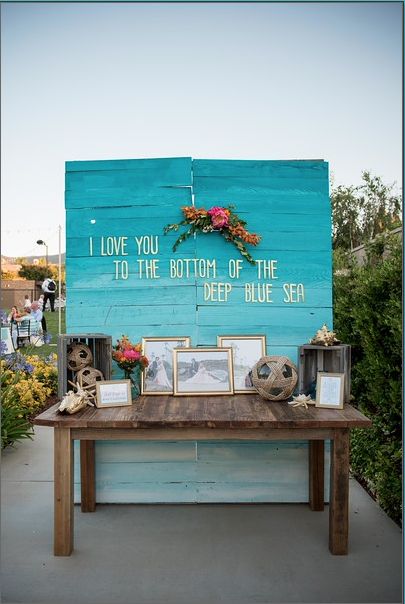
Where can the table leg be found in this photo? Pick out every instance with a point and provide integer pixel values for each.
(63, 487)
(339, 493)
(87, 476)
(316, 465)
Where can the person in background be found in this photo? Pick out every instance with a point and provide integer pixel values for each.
(49, 289)
(38, 315)
(41, 302)
(28, 329)
(27, 302)
(14, 314)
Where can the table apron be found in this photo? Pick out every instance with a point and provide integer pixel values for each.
(171, 434)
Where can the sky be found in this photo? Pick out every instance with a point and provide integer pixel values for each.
(224, 80)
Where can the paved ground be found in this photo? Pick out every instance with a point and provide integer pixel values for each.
(183, 554)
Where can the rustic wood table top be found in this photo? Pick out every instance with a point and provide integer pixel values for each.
(240, 411)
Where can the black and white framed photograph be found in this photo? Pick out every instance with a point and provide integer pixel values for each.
(199, 371)
(329, 390)
(158, 376)
(247, 350)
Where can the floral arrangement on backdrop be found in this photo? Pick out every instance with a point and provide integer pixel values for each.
(129, 356)
(220, 219)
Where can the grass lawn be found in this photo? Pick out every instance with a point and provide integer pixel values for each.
(52, 324)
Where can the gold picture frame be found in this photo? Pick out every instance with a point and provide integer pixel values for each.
(157, 378)
(202, 371)
(243, 363)
(113, 393)
(330, 390)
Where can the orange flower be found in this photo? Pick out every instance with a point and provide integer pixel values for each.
(192, 213)
(242, 233)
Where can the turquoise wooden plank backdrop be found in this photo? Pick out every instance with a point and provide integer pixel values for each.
(121, 278)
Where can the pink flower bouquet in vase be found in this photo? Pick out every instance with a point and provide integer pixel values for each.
(130, 359)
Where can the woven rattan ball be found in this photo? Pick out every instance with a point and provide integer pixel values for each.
(79, 355)
(274, 378)
(88, 376)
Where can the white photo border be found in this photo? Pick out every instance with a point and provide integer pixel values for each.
(261, 338)
(323, 376)
(146, 340)
(208, 349)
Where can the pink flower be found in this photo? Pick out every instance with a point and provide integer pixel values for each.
(219, 217)
(131, 355)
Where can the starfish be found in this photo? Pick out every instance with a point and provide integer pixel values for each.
(301, 401)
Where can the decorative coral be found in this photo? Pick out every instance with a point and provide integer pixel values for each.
(324, 337)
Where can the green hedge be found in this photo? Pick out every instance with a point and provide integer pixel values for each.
(368, 315)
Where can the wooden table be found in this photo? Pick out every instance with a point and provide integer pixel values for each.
(238, 417)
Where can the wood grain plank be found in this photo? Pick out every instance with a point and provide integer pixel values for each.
(63, 492)
(236, 412)
(165, 168)
(316, 467)
(181, 433)
(260, 168)
(88, 476)
(339, 493)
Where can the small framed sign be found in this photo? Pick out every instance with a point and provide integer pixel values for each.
(329, 390)
(114, 393)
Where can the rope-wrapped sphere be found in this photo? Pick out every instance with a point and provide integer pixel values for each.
(274, 377)
(87, 378)
(79, 355)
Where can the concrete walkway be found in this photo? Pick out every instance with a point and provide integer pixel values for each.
(179, 554)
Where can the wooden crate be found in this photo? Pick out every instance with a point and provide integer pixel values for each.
(101, 346)
(332, 359)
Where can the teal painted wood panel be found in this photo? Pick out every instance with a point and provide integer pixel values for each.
(269, 169)
(250, 472)
(287, 203)
(156, 169)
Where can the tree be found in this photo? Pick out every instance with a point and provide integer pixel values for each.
(360, 213)
(36, 272)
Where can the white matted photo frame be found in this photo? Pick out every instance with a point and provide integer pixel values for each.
(202, 371)
(330, 390)
(247, 350)
(113, 393)
(157, 378)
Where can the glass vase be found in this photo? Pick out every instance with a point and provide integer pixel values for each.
(134, 375)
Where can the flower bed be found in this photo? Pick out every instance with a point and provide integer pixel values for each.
(27, 384)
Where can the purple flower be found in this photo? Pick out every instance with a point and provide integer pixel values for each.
(3, 348)
(18, 362)
(47, 338)
(49, 360)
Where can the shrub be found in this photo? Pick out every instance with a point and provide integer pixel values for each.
(367, 315)
(15, 424)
